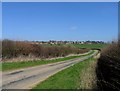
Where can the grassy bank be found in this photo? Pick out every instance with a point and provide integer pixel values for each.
(17, 65)
(74, 77)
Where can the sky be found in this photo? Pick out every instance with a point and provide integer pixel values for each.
(60, 0)
(0, 20)
(45, 21)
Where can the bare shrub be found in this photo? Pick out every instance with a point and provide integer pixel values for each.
(14, 49)
(108, 68)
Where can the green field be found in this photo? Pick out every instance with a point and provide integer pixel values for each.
(0, 66)
(17, 65)
(97, 46)
(71, 78)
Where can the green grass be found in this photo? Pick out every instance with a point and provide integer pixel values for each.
(0, 66)
(16, 65)
(80, 45)
(97, 46)
(66, 79)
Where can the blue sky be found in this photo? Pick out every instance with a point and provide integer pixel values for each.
(0, 20)
(60, 21)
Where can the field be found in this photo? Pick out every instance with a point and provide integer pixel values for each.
(91, 46)
(72, 77)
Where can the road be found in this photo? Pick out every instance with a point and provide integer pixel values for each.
(28, 77)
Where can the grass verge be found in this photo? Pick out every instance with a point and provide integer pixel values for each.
(16, 65)
(78, 76)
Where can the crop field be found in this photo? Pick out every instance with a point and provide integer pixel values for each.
(96, 46)
(90, 46)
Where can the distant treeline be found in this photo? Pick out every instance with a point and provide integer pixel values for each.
(108, 68)
(68, 42)
(14, 49)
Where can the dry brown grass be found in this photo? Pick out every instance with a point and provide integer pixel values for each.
(88, 76)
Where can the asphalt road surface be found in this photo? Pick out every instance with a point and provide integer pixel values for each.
(28, 77)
